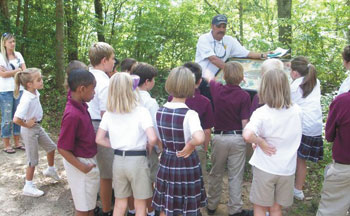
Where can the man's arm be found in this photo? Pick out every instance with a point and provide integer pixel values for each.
(216, 61)
(255, 55)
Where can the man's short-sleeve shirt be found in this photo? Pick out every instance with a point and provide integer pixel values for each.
(207, 46)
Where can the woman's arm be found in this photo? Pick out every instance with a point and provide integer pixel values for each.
(102, 139)
(7, 74)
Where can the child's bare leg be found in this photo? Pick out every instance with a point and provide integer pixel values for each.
(276, 210)
(83, 213)
(149, 205)
(140, 207)
(300, 174)
(120, 206)
(162, 213)
(260, 210)
(51, 158)
(106, 194)
(30, 173)
(131, 205)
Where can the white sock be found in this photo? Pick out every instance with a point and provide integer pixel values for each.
(29, 183)
(298, 191)
(51, 168)
(151, 213)
(132, 211)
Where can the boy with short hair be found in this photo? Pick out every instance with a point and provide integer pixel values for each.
(77, 145)
(203, 107)
(127, 65)
(102, 60)
(147, 74)
(231, 113)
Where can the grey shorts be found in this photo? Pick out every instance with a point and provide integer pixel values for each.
(153, 163)
(32, 139)
(268, 189)
(131, 177)
(104, 157)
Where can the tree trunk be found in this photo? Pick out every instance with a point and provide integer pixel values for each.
(284, 16)
(241, 21)
(99, 17)
(25, 23)
(5, 15)
(19, 6)
(59, 44)
(71, 9)
(348, 26)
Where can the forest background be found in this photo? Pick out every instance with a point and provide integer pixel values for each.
(164, 33)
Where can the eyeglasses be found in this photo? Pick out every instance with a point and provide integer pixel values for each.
(220, 49)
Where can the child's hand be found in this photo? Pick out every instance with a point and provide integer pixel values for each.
(267, 149)
(31, 123)
(88, 168)
(186, 151)
(253, 146)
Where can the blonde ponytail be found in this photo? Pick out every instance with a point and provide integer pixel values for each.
(23, 78)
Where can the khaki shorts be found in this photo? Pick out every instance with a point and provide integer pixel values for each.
(32, 139)
(153, 163)
(268, 189)
(104, 157)
(84, 187)
(131, 176)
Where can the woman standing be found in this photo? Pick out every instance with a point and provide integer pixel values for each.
(11, 62)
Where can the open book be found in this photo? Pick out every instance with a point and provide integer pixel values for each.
(278, 53)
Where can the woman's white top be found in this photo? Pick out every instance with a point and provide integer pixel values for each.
(8, 84)
(311, 107)
(29, 106)
(345, 86)
(127, 131)
(191, 122)
(280, 128)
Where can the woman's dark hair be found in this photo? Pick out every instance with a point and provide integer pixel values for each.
(80, 77)
(306, 70)
(346, 53)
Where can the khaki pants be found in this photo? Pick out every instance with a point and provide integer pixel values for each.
(202, 155)
(230, 150)
(335, 196)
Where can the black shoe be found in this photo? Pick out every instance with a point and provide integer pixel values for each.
(130, 214)
(96, 211)
(156, 213)
(244, 212)
(110, 213)
(210, 211)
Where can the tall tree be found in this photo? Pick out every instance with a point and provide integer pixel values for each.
(19, 6)
(241, 21)
(71, 12)
(348, 27)
(99, 17)
(284, 26)
(59, 43)
(25, 23)
(5, 15)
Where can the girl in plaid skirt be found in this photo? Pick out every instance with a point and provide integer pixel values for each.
(306, 92)
(179, 188)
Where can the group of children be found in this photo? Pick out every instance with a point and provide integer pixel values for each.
(114, 135)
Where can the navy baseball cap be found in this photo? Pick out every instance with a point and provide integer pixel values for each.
(219, 19)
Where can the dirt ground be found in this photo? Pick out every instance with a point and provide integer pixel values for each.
(57, 200)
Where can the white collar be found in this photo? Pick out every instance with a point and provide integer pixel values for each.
(175, 105)
(98, 71)
(31, 95)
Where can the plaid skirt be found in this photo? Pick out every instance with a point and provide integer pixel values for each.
(179, 188)
(311, 148)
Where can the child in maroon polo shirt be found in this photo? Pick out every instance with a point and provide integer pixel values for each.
(77, 145)
(203, 107)
(336, 187)
(231, 113)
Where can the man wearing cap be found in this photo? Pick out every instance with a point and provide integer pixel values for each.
(214, 48)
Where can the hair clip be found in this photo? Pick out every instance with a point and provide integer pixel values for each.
(135, 81)
(5, 34)
(308, 65)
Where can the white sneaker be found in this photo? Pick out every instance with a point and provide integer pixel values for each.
(298, 194)
(51, 173)
(31, 190)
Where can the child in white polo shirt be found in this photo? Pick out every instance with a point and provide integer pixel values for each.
(130, 130)
(29, 114)
(276, 129)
